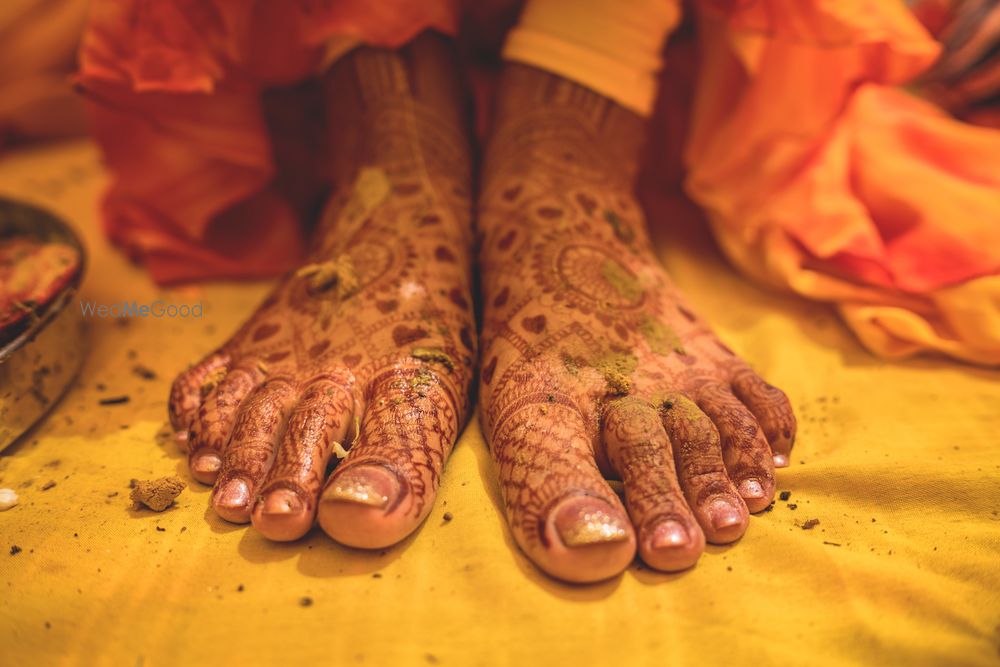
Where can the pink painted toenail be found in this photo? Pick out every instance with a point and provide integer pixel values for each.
(366, 485)
(751, 488)
(668, 535)
(281, 502)
(780, 461)
(586, 521)
(234, 494)
(207, 463)
(181, 436)
(724, 514)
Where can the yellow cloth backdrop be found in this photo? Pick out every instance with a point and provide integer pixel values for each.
(899, 462)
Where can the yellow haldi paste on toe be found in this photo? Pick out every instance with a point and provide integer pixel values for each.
(432, 354)
(617, 369)
(660, 337)
(621, 280)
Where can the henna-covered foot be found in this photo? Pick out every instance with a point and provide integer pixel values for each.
(365, 353)
(593, 365)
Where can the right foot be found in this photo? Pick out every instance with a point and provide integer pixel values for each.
(366, 352)
(593, 365)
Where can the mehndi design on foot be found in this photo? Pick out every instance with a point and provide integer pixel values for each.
(366, 352)
(593, 365)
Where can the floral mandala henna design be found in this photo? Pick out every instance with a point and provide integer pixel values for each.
(363, 356)
(593, 364)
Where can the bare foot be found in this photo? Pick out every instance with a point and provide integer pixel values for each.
(593, 365)
(366, 352)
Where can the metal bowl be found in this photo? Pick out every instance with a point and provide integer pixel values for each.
(45, 353)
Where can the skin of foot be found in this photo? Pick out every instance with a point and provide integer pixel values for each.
(593, 366)
(363, 357)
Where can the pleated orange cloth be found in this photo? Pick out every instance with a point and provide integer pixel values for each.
(816, 170)
(195, 104)
(819, 174)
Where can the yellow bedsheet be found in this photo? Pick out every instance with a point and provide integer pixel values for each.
(899, 462)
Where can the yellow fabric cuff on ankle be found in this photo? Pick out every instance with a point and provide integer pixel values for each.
(609, 46)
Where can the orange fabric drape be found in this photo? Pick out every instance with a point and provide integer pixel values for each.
(820, 174)
(178, 91)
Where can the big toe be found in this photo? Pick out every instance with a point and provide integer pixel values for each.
(586, 540)
(363, 507)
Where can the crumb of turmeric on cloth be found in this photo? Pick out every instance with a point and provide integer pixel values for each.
(810, 524)
(157, 494)
(8, 499)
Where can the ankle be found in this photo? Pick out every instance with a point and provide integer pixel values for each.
(543, 115)
(397, 107)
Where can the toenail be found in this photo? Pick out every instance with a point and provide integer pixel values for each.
(365, 485)
(181, 436)
(207, 463)
(234, 493)
(724, 514)
(281, 501)
(780, 461)
(586, 521)
(751, 488)
(669, 535)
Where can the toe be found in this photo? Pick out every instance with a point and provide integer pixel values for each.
(187, 391)
(586, 539)
(367, 505)
(710, 493)
(772, 409)
(250, 451)
(287, 500)
(638, 448)
(387, 484)
(562, 513)
(214, 421)
(745, 451)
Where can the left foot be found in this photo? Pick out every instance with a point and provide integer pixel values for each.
(366, 352)
(593, 365)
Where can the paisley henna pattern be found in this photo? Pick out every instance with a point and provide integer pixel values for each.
(367, 351)
(593, 363)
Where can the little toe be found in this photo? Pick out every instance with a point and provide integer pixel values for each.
(188, 391)
(640, 452)
(562, 512)
(287, 500)
(711, 495)
(250, 450)
(772, 410)
(745, 451)
(388, 483)
(214, 421)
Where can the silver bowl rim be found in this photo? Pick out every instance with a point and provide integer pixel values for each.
(46, 226)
